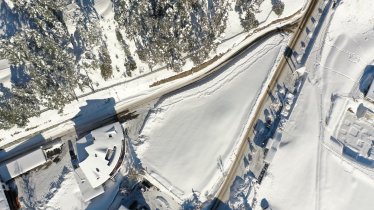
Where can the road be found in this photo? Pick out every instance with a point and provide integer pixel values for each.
(222, 193)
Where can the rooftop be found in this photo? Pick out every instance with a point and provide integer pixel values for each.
(88, 192)
(99, 153)
(22, 165)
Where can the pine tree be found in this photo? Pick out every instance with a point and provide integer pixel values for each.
(40, 49)
(246, 10)
(278, 7)
(105, 63)
(168, 32)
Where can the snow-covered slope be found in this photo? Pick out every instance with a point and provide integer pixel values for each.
(189, 136)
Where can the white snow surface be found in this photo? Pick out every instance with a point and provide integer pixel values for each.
(68, 195)
(190, 136)
(290, 182)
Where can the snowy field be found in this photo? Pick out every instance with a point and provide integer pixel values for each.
(189, 136)
(307, 172)
(52, 186)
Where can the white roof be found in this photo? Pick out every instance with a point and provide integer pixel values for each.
(370, 93)
(3, 201)
(99, 152)
(88, 192)
(301, 71)
(22, 165)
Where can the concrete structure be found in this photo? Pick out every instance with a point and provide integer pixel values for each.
(100, 156)
(356, 131)
(99, 152)
(21, 165)
(88, 192)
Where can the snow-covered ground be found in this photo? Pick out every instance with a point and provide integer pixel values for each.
(189, 136)
(52, 186)
(307, 171)
(68, 196)
(291, 178)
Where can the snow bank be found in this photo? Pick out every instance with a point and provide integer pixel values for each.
(68, 196)
(191, 134)
(290, 182)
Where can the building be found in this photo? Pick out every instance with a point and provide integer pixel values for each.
(88, 192)
(100, 155)
(356, 133)
(21, 165)
(370, 93)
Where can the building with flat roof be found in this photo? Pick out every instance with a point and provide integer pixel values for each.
(21, 165)
(100, 154)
